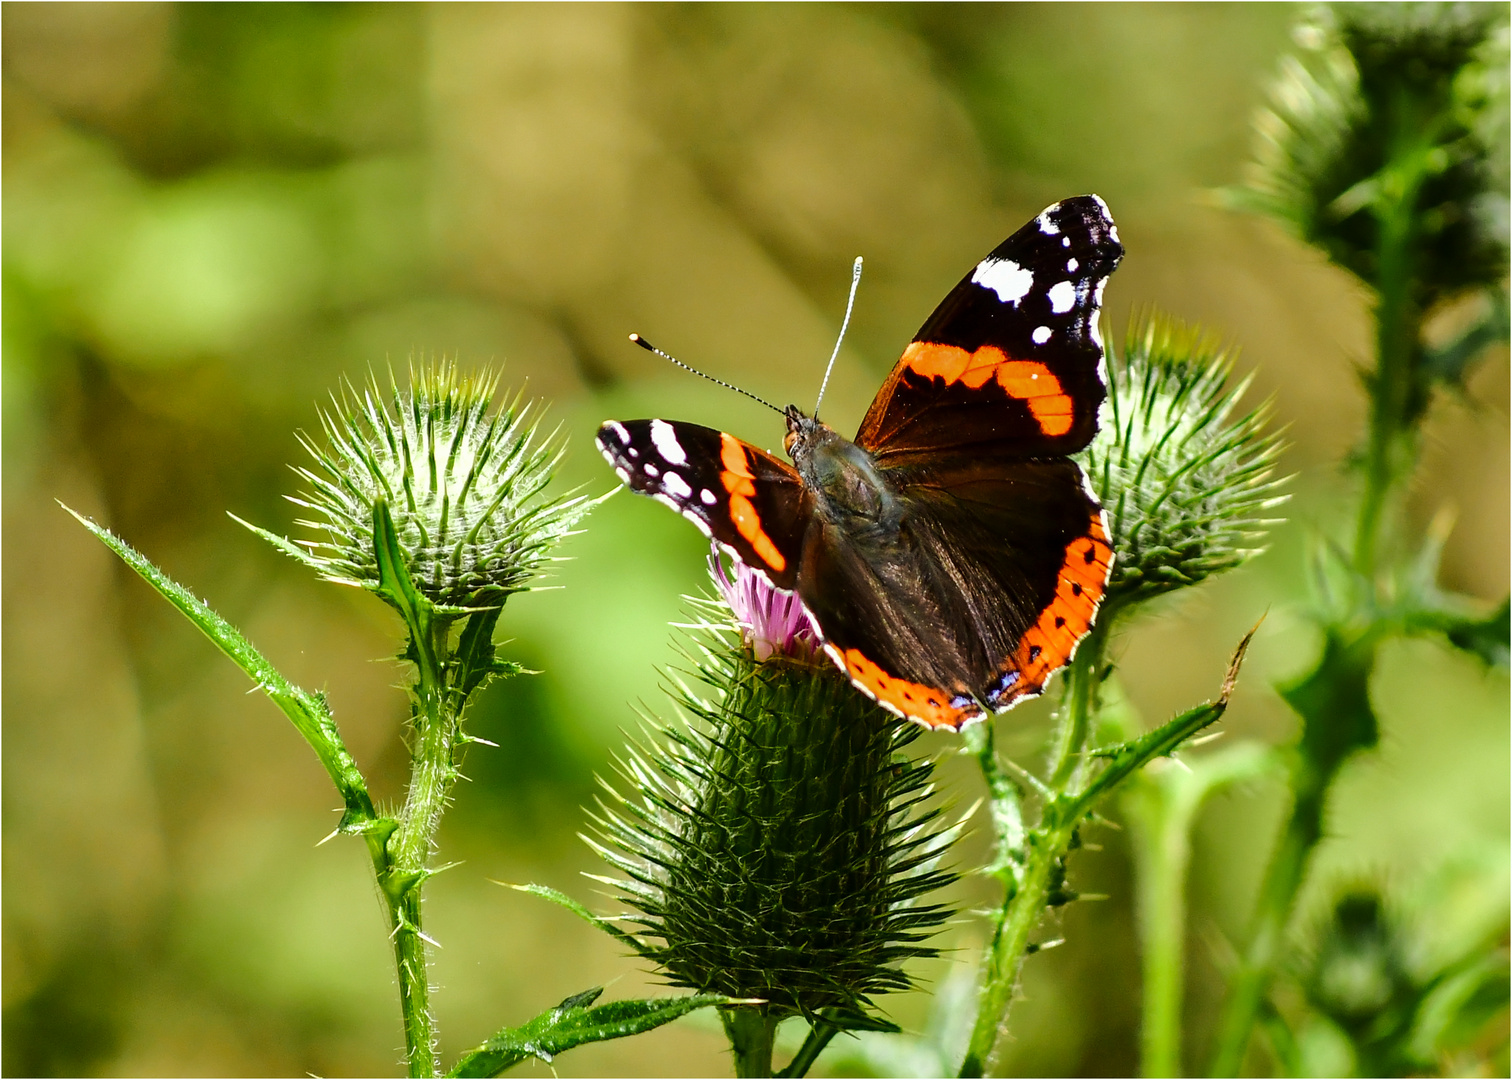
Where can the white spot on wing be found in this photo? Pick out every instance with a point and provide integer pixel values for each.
(622, 473)
(676, 485)
(1062, 296)
(1005, 277)
(1046, 226)
(1071, 265)
(708, 497)
(665, 440)
(1041, 335)
(650, 470)
(619, 430)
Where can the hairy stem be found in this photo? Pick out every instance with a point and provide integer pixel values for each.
(432, 773)
(1040, 853)
(752, 1032)
(1020, 914)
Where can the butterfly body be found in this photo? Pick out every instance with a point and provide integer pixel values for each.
(951, 556)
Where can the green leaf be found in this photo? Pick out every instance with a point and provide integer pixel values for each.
(475, 653)
(1334, 702)
(1124, 758)
(1487, 638)
(308, 712)
(574, 1022)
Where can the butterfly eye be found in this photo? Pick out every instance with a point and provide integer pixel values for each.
(787, 442)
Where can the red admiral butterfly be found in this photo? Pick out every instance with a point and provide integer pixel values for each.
(952, 556)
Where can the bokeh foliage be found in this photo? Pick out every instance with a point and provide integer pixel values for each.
(216, 212)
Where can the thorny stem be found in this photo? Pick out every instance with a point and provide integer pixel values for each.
(1391, 385)
(431, 776)
(1030, 865)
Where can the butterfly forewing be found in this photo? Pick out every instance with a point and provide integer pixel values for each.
(742, 497)
(1010, 363)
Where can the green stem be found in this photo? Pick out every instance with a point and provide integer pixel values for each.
(1398, 335)
(752, 1032)
(819, 1037)
(1085, 677)
(1393, 416)
(1040, 854)
(1251, 980)
(1020, 914)
(1161, 808)
(432, 773)
(1163, 851)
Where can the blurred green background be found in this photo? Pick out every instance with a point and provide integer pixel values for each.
(214, 213)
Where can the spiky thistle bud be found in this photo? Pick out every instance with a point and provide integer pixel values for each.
(777, 843)
(1186, 486)
(461, 482)
(1383, 102)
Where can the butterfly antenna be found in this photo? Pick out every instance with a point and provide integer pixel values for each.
(855, 281)
(643, 343)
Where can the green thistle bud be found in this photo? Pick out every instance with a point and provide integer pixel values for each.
(1384, 103)
(463, 485)
(1186, 487)
(779, 843)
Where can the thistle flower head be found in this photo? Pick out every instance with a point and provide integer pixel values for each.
(771, 621)
(1386, 102)
(1187, 487)
(777, 844)
(462, 482)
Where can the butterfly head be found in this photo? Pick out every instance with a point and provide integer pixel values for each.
(800, 430)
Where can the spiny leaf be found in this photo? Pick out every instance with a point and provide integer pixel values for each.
(308, 712)
(574, 1022)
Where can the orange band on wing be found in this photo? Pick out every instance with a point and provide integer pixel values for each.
(915, 701)
(1026, 380)
(1049, 643)
(740, 482)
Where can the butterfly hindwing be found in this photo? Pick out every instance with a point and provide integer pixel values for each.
(742, 497)
(1010, 362)
(945, 618)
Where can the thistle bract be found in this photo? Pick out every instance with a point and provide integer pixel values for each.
(778, 844)
(462, 482)
(1187, 487)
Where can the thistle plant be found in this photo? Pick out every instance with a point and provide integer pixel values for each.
(1385, 147)
(778, 841)
(435, 501)
(1189, 491)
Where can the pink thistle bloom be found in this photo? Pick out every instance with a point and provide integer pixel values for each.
(773, 621)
